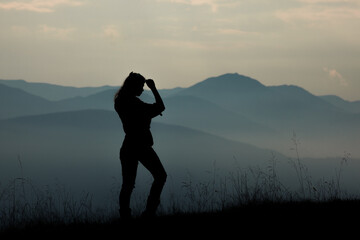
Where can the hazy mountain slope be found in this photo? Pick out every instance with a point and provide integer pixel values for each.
(100, 100)
(276, 107)
(353, 107)
(323, 128)
(81, 149)
(309, 112)
(226, 90)
(52, 91)
(15, 102)
(92, 125)
(79, 152)
(194, 112)
(281, 107)
(236, 107)
(168, 92)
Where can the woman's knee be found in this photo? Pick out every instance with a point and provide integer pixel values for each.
(161, 177)
(127, 188)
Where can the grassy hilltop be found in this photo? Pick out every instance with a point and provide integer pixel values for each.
(261, 219)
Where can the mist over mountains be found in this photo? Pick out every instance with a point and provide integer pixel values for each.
(230, 120)
(232, 106)
(53, 92)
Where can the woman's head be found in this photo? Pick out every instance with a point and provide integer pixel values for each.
(133, 85)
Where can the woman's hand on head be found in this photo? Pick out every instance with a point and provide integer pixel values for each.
(150, 83)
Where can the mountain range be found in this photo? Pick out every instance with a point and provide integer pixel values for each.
(228, 122)
(232, 106)
(53, 92)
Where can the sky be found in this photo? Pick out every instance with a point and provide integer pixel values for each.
(314, 44)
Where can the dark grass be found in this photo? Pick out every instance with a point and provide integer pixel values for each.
(257, 218)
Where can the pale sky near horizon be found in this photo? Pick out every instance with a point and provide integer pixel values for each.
(314, 44)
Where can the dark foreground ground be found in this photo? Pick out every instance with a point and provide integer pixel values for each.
(290, 220)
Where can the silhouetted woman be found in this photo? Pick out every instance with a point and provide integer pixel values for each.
(137, 146)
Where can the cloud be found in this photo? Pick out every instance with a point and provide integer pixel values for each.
(111, 32)
(213, 4)
(328, 1)
(335, 75)
(41, 6)
(43, 31)
(58, 33)
(20, 31)
(234, 32)
(321, 10)
(178, 44)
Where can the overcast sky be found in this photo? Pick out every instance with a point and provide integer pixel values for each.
(314, 44)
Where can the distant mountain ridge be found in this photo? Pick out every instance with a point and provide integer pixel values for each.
(16, 102)
(249, 97)
(53, 92)
(349, 106)
(231, 83)
(231, 106)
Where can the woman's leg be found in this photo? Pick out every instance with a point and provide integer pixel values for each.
(129, 165)
(151, 162)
